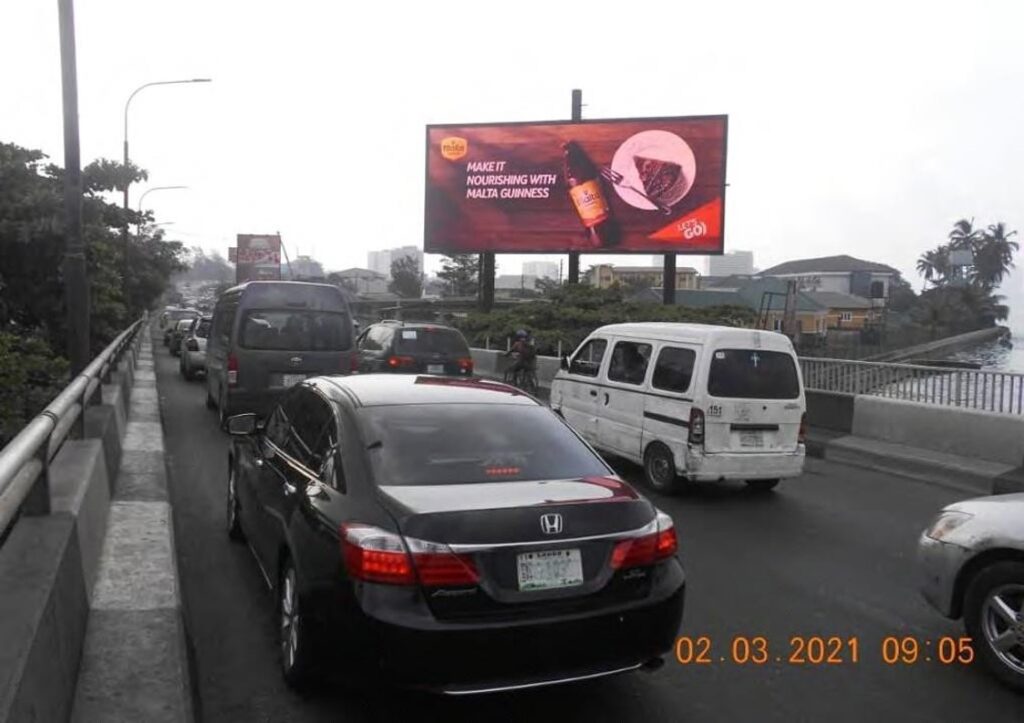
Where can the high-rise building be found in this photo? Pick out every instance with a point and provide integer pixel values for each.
(540, 269)
(380, 261)
(732, 263)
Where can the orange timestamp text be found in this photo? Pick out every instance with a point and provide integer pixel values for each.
(822, 650)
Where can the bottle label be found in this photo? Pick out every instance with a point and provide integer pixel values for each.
(590, 203)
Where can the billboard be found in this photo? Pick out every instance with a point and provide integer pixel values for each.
(641, 185)
(257, 258)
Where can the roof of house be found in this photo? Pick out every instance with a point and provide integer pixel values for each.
(835, 300)
(647, 269)
(753, 292)
(734, 281)
(827, 264)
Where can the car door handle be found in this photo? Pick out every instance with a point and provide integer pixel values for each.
(593, 392)
(606, 397)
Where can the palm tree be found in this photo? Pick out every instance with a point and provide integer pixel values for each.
(964, 236)
(998, 251)
(934, 265)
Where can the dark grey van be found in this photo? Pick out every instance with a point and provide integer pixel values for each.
(269, 335)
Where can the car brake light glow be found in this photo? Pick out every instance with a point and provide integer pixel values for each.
(696, 426)
(400, 361)
(232, 370)
(802, 434)
(659, 544)
(376, 555)
(501, 471)
(466, 364)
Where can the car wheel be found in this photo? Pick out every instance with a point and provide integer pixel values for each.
(222, 413)
(234, 524)
(994, 618)
(762, 485)
(660, 468)
(210, 404)
(294, 636)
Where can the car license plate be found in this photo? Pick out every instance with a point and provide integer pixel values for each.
(290, 380)
(751, 439)
(549, 569)
(435, 368)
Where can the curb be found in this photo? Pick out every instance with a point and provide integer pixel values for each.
(134, 664)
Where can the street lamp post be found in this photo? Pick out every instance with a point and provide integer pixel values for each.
(138, 226)
(127, 179)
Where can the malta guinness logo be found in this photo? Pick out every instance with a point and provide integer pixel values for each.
(453, 148)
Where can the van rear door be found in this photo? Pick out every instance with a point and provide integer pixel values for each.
(755, 401)
(278, 348)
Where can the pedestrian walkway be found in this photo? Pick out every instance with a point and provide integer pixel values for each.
(134, 666)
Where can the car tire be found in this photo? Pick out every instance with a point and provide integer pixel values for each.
(762, 485)
(660, 468)
(233, 518)
(1003, 581)
(210, 403)
(222, 413)
(294, 633)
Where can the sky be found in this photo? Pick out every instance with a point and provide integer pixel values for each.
(862, 128)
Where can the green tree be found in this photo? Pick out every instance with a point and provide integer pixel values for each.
(901, 295)
(964, 236)
(934, 266)
(406, 279)
(460, 273)
(31, 375)
(993, 256)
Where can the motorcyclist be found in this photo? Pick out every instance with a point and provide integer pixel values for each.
(524, 352)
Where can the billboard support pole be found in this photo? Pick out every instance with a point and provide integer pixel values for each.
(486, 281)
(574, 256)
(668, 281)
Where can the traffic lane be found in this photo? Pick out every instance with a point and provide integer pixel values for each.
(230, 614)
(830, 553)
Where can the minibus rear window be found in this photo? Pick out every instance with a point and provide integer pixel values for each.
(753, 374)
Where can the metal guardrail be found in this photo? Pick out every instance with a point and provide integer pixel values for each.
(1001, 392)
(25, 460)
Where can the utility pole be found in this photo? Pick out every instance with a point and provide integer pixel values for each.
(577, 116)
(76, 282)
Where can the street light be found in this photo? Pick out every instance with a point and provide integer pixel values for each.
(127, 180)
(138, 226)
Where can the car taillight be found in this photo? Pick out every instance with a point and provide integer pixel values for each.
(466, 365)
(397, 362)
(660, 544)
(801, 436)
(696, 426)
(192, 345)
(353, 363)
(376, 555)
(232, 370)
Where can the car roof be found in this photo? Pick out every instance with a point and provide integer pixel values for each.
(698, 334)
(373, 390)
(415, 325)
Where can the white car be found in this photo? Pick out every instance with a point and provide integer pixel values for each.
(688, 401)
(972, 558)
(193, 348)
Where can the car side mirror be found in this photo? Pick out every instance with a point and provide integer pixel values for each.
(242, 424)
(565, 362)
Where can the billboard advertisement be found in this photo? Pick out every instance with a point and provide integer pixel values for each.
(257, 257)
(641, 185)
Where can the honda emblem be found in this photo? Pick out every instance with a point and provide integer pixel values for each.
(295, 361)
(551, 524)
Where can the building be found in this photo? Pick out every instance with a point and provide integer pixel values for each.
(380, 261)
(605, 275)
(839, 274)
(844, 311)
(541, 269)
(723, 283)
(360, 281)
(304, 267)
(733, 263)
(509, 286)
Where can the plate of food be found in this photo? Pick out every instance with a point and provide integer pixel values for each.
(657, 164)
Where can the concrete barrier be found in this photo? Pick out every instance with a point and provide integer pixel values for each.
(950, 430)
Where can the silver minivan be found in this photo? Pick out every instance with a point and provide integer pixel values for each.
(270, 335)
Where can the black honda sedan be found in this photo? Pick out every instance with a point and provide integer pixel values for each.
(450, 534)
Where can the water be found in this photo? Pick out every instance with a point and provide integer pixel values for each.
(993, 356)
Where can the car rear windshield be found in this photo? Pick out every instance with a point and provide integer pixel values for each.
(753, 374)
(204, 328)
(431, 341)
(295, 330)
(435, 444)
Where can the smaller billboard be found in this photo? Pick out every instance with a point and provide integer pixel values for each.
(257, 258)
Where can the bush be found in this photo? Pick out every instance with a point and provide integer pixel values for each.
(31, 375)
(573, 312)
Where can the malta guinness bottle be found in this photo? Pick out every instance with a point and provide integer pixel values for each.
(584, 182)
